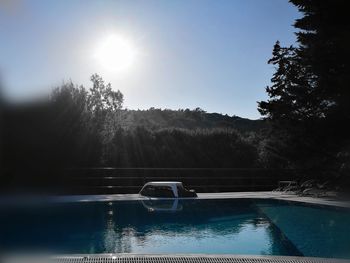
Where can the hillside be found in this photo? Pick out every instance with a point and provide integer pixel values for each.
(156, 119)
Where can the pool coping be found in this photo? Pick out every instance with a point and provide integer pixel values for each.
(202, 196)
(224, 195)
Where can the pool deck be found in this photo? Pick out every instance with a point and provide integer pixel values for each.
(228, 195)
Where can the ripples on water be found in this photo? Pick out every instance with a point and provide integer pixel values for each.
(237, 226)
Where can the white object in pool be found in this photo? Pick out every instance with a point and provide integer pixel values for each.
(166, 190)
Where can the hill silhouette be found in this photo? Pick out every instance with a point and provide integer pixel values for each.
(155, 119)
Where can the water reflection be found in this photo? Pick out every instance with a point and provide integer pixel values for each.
(174, 226)
(162, 205)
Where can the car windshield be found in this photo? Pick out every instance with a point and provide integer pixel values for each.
(158, 191)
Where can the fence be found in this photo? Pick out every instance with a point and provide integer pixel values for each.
(130, 180)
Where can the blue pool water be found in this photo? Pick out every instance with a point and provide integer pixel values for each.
(236, 226)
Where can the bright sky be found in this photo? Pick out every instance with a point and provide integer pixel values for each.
(173, 53)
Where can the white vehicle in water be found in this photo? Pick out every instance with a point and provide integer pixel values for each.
(166, 190)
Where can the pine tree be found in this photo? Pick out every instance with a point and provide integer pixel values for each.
(309, 99)
(290, 89)
(325, 51)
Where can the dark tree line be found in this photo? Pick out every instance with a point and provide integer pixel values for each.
(79, 127)
(309, 98)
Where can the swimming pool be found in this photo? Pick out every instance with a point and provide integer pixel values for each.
(222, 226)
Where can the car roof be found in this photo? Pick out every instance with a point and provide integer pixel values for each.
(164, 183)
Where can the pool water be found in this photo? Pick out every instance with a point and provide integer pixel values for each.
(227, 226)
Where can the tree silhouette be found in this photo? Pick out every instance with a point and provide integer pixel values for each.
(308, 105)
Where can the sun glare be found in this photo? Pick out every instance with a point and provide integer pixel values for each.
(116, 53)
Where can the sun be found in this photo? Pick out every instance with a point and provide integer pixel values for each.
(116, 53)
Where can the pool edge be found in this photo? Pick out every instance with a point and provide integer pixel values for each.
(201, 196)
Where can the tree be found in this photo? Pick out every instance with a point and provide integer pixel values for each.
(310, 93)
(87, 119)
(105, 104)
(289, 90)
(324, 41)
(102, 97)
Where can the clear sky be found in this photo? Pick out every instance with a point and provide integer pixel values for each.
(189, 53)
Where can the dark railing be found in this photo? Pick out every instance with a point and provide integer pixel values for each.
(131, 180)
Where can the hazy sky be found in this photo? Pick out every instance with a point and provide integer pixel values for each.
(190, 53)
